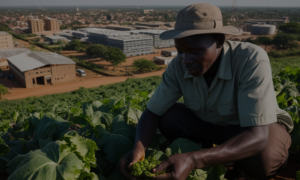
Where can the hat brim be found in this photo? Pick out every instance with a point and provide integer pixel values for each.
(176, 34)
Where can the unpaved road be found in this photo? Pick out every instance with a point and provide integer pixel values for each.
(20, 92)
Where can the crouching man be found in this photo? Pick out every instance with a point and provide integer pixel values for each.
(229, 100)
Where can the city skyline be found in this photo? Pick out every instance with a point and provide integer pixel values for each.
(243, 3)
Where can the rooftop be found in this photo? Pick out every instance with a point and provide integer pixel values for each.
(3, 33)
(12, 52)
(28, 61)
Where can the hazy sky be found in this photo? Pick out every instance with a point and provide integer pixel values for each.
(278, 3)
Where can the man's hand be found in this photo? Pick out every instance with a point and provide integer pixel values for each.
(137, 154)
(179, 166)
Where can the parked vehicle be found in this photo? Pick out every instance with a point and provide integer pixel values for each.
(81, 72)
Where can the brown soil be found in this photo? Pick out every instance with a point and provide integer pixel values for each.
(107, 67)
(28, 45)
(91, 80)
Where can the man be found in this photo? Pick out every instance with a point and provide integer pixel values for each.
(229, 100)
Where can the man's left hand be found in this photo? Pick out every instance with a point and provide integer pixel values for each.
(179, 166)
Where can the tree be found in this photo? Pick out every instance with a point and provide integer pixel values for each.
(75, 44)
(144, 65)
(3, 90)
(265, 40)
(96, 50)
(292, 27)
(284, 41)
(4, 27)
(115, 56)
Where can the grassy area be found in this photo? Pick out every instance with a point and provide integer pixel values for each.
(279, 64)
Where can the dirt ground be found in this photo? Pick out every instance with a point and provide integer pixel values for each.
(29, 46)
(107, 67)
(91, 80)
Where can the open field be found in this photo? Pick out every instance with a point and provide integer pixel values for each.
(107, 67)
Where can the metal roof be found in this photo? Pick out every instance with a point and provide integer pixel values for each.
(29, 61)
(12, 52)
(3, 33)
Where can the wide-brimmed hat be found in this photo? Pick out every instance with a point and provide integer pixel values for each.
(199, 18)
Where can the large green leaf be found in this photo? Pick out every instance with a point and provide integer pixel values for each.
(51, 128)
(84, 148)
(55, 161)
(117, 142)
(298, 175)
(4, 149)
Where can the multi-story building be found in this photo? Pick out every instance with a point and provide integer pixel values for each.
(52, 25)
(6, 41)
(36, 25)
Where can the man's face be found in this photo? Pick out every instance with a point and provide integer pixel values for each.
(199, 53)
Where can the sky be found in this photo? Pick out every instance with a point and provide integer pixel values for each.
(259, 3)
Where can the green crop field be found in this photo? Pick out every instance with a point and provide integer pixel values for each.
(91, 129)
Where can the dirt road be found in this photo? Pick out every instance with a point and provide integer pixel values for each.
(20, 93)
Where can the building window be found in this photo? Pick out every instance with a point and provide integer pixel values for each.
(48, 70)
(37, 72)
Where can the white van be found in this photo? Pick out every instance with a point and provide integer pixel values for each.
(81, 72)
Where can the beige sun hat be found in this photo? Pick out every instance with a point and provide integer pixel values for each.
(199, 18)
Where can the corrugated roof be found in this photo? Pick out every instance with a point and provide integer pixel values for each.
(29, 61)
(12, 52)
(3, 33)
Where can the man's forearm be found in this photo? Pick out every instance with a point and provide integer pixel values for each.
(249, 143)
(146, 129)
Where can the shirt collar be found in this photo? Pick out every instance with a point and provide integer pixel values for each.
(224, 71)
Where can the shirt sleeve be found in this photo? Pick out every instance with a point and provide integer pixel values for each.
(257, 102)
(167, 93)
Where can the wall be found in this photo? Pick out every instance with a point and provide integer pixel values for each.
(19, 76)
(33, 74)
(52, 25)
(4, 64)
(36, 26)
(58, 73)
(6, 42)
(63, 73)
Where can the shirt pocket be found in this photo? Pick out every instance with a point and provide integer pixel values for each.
(194, 105)
(227, 108)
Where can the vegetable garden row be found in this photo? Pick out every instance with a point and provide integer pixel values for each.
(83, 134)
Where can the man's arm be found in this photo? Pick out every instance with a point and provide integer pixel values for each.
(250, 142)
(146, 129)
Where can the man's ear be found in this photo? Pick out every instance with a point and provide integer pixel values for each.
(220, 40)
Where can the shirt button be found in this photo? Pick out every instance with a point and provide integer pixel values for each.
(210, 111)
(187, 105)
(231, 109)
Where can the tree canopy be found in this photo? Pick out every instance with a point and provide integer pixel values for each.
(144, 65)
(75, 44)
(292, 27)
(96, 50)
(284, 41)
(115, 56)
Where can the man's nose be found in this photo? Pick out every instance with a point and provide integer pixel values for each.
(187, 59)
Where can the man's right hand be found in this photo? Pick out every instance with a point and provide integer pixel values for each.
(137, 154)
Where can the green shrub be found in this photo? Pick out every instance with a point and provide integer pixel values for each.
(144, 65)
(284, 41)
(3, 90)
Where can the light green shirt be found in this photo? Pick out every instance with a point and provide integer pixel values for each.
(241, 93)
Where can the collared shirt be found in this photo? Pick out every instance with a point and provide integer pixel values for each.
(241, 93)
